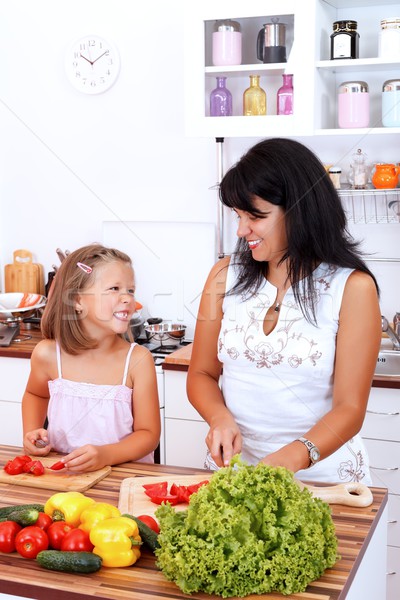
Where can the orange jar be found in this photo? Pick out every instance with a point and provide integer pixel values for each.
(385, 176)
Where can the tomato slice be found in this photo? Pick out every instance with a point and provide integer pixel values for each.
(192, 489)
(166, 498)
(181, 491)
(57, 466)
(156, 489)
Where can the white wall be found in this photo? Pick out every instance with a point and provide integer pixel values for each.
(70, 161)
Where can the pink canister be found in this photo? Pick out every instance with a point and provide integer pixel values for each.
(226, 43)
(353, 104)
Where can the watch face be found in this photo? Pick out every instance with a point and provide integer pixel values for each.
(314, 455)
(92, 64)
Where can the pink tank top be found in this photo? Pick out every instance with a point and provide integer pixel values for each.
(87, 413)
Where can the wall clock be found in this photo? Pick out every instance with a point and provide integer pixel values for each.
(92, 64)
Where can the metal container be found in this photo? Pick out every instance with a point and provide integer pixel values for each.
(162, 331)
(353, 104)
(391, 103)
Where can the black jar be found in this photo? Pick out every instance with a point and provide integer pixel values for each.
(344, 40)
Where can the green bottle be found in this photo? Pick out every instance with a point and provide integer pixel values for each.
(254, 98)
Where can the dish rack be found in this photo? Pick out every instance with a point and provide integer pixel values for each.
(371, 205)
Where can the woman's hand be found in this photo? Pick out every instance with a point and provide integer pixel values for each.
(223, 440)
(86, 458)
(36, 442)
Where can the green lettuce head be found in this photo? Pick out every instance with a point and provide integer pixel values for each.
(251, 530)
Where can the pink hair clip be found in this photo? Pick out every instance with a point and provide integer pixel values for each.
(84, 267)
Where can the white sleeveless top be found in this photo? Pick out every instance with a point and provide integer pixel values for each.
(277, 386)
(87, 413)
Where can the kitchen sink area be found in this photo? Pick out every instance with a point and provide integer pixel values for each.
(388, 362)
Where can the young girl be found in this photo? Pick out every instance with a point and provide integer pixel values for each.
(98, 391)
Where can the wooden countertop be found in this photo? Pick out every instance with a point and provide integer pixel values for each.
(23, 577)
(177, 361)
(180, 361)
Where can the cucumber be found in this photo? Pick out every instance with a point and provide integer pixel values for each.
(69, 562)
(149, 537)
(6, 510)
(24, 517)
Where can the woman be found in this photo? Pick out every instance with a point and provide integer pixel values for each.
(289, 326)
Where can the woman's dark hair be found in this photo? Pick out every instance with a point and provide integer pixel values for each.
(286, 173)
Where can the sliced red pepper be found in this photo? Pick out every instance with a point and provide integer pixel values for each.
(57, 466)
(35, 467)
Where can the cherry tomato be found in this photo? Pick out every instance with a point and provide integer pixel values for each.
(77, 540)
(57, 466)
(8, 532)
(44, 521)
(30, 541)
(56, 531)
(150, 522)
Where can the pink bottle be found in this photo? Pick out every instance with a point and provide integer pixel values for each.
(284, 98)
(226, 43)
(353, 105)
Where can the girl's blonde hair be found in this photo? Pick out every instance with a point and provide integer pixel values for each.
(60, 320)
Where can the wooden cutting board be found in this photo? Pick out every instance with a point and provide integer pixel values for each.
(56, 480)
(133, 500)
(23, 275)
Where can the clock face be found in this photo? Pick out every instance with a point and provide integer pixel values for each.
(92, 64)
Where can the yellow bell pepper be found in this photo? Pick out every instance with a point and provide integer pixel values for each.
(99, 511)
(116, 541)
(67, 506)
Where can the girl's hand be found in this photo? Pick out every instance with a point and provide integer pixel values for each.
(86, 458)
(36, 442)
(224, 440)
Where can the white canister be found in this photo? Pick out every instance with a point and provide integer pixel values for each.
(391, 103)
(389, 39)
(226, 43)
(353, 104)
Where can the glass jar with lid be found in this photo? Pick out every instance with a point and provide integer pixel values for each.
(389, 39)
(353, 104)
(359, 170)
(391, 103)
(344, 40)
(226, 43)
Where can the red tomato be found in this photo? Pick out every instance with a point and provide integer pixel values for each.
(34, 466)
(155, 489)
(30, 541)
(77, 540)
(57, 466)
(150, 522)
(56, 531)
(16, 465)
(192, 489)
(181, 491)
(44, 521)
(8, 532)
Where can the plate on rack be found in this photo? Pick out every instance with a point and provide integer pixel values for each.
(14, 304)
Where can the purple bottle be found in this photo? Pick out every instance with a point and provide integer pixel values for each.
(284, 98)
(221, 100)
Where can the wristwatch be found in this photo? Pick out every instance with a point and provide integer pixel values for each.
(313, 451)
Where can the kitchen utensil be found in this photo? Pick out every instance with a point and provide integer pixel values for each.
(10, 306)
(136, 324)
(134, 501)
(56, 480)
(23, 275)
(271, 42)
(161, 331)
(385, 176)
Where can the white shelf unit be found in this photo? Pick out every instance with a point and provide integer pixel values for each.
(316, 78)
(371, 206)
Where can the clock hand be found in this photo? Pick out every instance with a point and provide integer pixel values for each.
(106, 52)
(84, 57)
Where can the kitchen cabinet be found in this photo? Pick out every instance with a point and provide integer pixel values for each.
(185, 430)
(14, 373)
(381, 433)
(316, 77)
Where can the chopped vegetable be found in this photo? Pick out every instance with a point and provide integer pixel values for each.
(57, 466)
(178, 494)
(251, 530)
